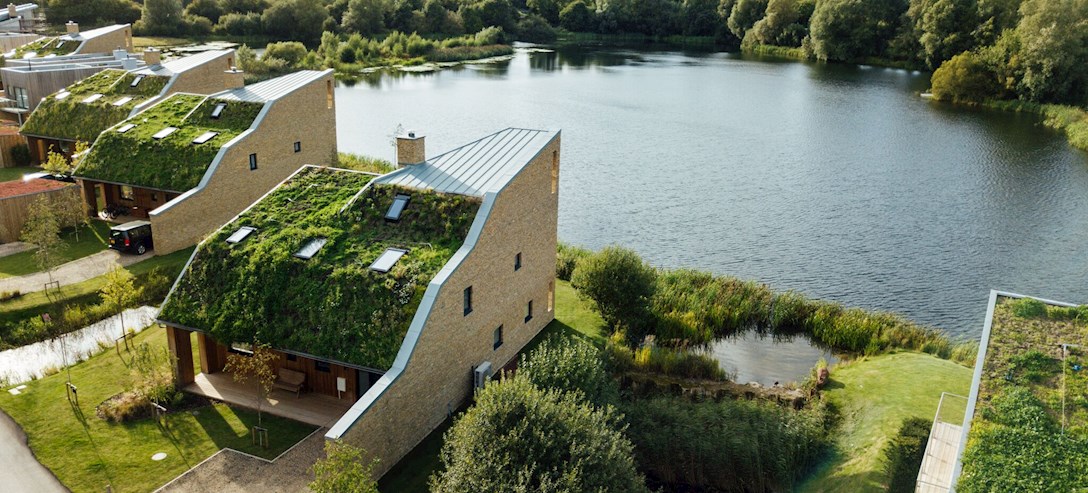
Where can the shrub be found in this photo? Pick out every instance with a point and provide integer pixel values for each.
(620, 284)
(20, 155)
(236, 24)
(567, 259)
(964, 78)
(903, 455)
(679, 363)
(533, 28)
(519, 437)
(1028, 308)
(290, 51)
(343, 470)
(569, 365)
(359, 162)
(123, 407)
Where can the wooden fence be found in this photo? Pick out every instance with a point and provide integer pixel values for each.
(13, 210)
(7, 142)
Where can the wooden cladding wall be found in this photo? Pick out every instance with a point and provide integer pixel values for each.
(13, 211)
(317, 381)
(7, 142)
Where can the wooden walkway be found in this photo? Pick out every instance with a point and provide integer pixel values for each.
(940, 459)
(315, 409)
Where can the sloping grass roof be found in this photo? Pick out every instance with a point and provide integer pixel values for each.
(172, 163)
(48, 46)
(69, 118)
(332, 305)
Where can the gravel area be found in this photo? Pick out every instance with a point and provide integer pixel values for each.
(234, 472)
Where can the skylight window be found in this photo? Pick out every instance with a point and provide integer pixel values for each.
(204, 137)
(310, 249)
(126, 127)
(122, 101)
(218, 110)
(400, 201)
(387, 259)
(241, 234)
(137, 80)
(92, 98)
(162, 134)
(62, 95)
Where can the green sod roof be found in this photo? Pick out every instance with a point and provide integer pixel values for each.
(68, 117)
(332, 305)
(173, 163)
(52, 45)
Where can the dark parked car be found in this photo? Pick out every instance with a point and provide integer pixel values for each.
(132, 236)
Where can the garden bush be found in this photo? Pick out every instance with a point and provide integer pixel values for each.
(620, 285)
(569, 365)
(567, 258)
(1028, 308)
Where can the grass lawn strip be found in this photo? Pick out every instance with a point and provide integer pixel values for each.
(16, 173)
(87, 453)
(92, 239)
(875, 395)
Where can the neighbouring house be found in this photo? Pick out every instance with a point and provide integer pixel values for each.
(1024, 424)
(84, 109)
(190, 162)
(16, 197)
(43, 67)
(389, 297)
(18, 18)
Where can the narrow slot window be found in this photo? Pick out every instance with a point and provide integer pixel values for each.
(298, 146)
(529, 311)
(468, 300)
(252, 161)
(517, 261)
(496, 338)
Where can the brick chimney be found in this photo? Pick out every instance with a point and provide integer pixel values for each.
(73, 27)
(234, 78)
(410, 149)
(152, 56)
(13, 12)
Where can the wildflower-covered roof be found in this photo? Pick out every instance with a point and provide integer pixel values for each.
(74, 113)
(62, 45)
(332, 305)
(136, 153)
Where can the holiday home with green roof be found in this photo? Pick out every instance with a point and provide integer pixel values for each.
(190, 162)
(83, 110)
(386, 299)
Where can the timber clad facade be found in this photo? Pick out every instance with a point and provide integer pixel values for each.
(438, 378)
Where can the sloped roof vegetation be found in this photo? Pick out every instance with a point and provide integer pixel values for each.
(48, 46)
(69, 118)
(332, 305)
(172, 163)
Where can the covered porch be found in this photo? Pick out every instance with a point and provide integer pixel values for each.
(124, 201)
(310, 408)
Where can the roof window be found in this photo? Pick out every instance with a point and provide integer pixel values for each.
(400, 201)
(92, 98)
(310, 249)
(387, 259)
(241, 234)
(135, 82)
(204, 137)
(62, 95)
(122, 101)
(126, 127)
(218, 110)
(162, 134)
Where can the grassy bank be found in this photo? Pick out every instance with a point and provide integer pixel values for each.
(16, 173)
(875, 395)
(87, 453)
(92, 239)
(573, 38)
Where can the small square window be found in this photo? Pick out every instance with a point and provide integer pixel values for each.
(252, 161)
(529, 311)
(291, 357)
(127, 193)
(517, 261)
(154, 196)
(497, 338)
(468, 300)
(298, 146)
(322, 366)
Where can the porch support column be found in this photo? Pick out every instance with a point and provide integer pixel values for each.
(181, 347)
(209, 354)
(90, 206)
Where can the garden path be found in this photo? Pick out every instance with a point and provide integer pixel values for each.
(13, 248)
(73, 272)
(22, 473)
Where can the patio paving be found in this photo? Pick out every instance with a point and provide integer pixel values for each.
(315, 409)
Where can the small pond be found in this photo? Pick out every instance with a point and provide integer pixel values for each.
(765, 360)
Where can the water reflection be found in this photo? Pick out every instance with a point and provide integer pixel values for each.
(767, 360)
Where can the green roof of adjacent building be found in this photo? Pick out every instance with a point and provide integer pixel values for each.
(142, 152)
(299, 270)
(75, 113)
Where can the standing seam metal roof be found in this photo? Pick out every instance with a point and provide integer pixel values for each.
(272, 89)
(93, 33)
(476, 168)
(179, 65)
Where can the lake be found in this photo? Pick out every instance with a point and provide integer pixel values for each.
(837, 181)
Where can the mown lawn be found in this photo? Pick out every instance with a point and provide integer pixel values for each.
(16, 173)
(875, 395)
(92, 239)
(87, 453)
(573, 318)
(86, 292)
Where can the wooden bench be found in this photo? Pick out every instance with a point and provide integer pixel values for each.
(290, 380)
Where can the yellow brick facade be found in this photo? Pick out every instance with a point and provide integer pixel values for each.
(438, 376)
(306, 116)
(207, 78)
(106, 43)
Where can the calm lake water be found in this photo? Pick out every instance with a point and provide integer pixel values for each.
(836, 181)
